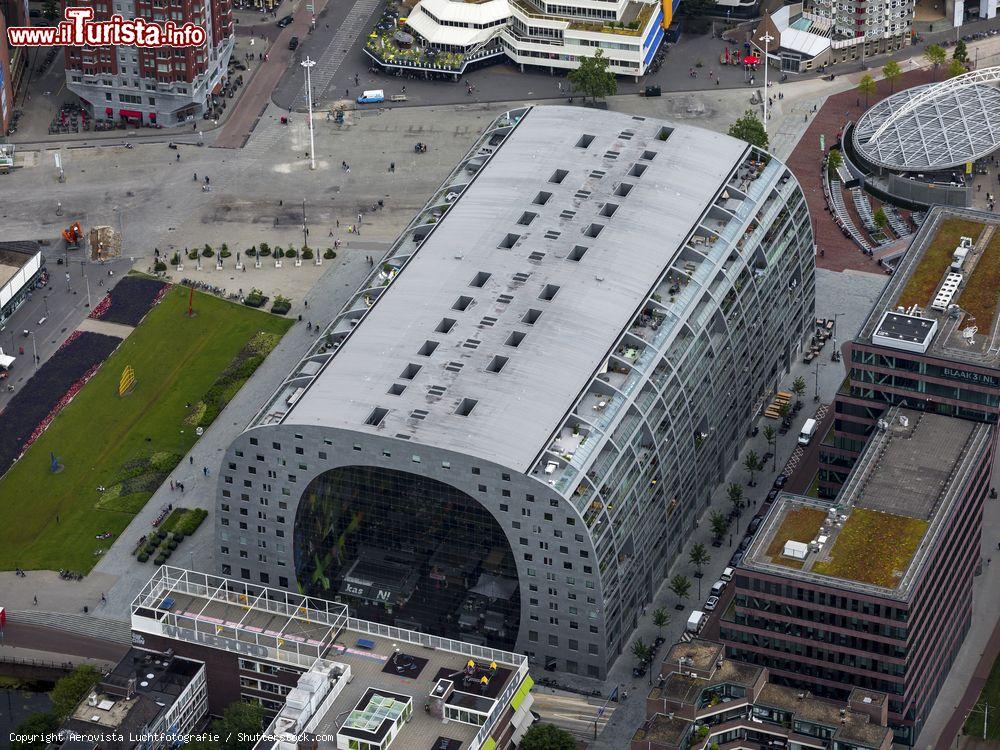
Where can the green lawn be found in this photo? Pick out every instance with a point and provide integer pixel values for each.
(990, 695)
(124, 444)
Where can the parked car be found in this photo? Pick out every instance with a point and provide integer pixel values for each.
(286, 21)
(736, 559)
(718, 587)
(712, 603)
(727, 574)
(779, 481)
(745, 542)
(771, 495)
(293, 42)
(755, 524)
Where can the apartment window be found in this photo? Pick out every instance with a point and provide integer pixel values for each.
(542, 198)
(558, 176)
(549, 292)
(480, 279)
(585, 141)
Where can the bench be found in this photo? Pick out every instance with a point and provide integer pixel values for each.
(365, 643)
(397, 98)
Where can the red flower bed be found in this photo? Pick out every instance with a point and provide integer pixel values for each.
(134, 296)
(49, 390)
(102, 307)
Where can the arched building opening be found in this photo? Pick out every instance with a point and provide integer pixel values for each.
(407, 550)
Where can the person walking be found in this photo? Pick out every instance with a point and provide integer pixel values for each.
(35, 601)
(191, 460)
(204, 470)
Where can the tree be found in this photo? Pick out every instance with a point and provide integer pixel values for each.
(239, 725)
(35, 727)
(735, 493)
(699, 556)
(771, 436)
(881, 220)
(592, 77)
(867, 86)
(956, 68)
(661, 619)
(799, 387)
(961, 52)
(681, 586)
(892, 71)
(752, 464)
(547, 737)
(50, 9)
(785, 411)
(749, 128)
(71, 689)
(935, 56)
(720, 524)
(641, 651)
(159, 267)
(833, 161)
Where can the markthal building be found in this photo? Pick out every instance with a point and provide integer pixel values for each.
(509, 430)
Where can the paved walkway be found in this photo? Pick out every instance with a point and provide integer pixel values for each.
(118, 330)
(22, 641)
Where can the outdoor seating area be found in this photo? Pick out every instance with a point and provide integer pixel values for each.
(824, 330)
(781, 398)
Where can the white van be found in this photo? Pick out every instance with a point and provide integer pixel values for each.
(808, 429)
(696, 620)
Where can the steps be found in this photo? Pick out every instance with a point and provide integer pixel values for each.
(99, 628)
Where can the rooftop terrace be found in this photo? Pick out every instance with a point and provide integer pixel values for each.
(875, 537)
(364, 680)
(950, 306)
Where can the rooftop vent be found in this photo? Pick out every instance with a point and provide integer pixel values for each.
(521, 277)
(409, 372)
(583, 194)
(567, 214)
(558, 176)
(664, 133)
(612, 154)
(487, 321)
(536, 257)
(509, 241)
(454, 366)
(585, 141)
(377, 416)
(402, 436)
(419, 413)
(542, 198)
(505, 299)
(626, 135)
(465, 407)
(577, 253)
(445, 325)
(480, 279)
(436, 390)
(472, 343)
(428, 348)
(552, 234)
(549, 292)
(515, 338)
(598, 173)
(496, 363)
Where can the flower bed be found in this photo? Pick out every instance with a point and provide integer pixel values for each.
(32, 409)
(130, 300)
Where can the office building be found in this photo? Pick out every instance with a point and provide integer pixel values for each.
(20, 271)
(929, 342)
(319, 673)
(530, 33)
(874, 590)
(148, 698)
(703, 699)
(508, 432)
(160, 86)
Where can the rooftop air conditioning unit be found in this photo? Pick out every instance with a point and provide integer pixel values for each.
(904, 420)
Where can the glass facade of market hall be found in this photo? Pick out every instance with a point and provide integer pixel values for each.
(407, 550)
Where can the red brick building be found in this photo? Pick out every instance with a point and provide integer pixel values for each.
(164, 86)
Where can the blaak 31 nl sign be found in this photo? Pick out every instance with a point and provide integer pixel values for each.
(970, 377)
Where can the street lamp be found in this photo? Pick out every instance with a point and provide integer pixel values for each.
(816, 394)
(308, 64)
(45, 300)
(34, 350)
(767, 39)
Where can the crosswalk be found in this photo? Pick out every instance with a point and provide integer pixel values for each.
(356, 23)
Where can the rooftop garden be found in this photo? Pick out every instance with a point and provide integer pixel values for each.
(927, 275)
(979, 298)
(874, 548)
(382, 44)
(631, 28)
(798, 525)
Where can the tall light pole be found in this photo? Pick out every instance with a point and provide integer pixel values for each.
(308, 64)
(767, 39)
(305, 227)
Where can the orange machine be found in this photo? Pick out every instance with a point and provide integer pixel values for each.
(73, 234)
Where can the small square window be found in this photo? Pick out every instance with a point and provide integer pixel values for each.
(531, 317)
(585, 141)
(496, 364)
(608, 209)
(428, 348)
(480, 279)
(509, 241)
(637, 170)
(623, 189)
(415, 458)
(549, 292)
(396, 389)
(465, 407)
(409, 372)
(445, 325)
(558, 176)
(648, 155)
(542, 198)
(577, 253)
(515, 338)
(526, 218)
(462, 303)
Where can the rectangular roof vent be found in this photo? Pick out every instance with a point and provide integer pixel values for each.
(612, 154)
(624, 189)
(427, 349)
(598, 173)
(542, 198)
(396, 389)
(402, 436)
(480, 279)
(472, 343)
(558, 176)
(549, 292)
(487, 321)
(567, 214)
(593, 230)
(462, 303)
(626, 135)
(465, 407)
(585, 141)
(536, 257)
(608, 209)
(419, 413)
(445, 325)
(577, 253)
(509, 241)
(583, 194)
(436, 390)
(497, 363)
(377, 416)
(531, 317)
(521, 277)
(637, 170)
(648, 155)
(505, 299)
(526, 218)
(409, 372)
(664, 133)
(515, 338)
(454, 366)
(552, 234)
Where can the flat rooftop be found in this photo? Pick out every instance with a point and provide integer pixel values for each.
(929, 306)
(14, 256)
(390, 667)
(524, 283)
(877, 535)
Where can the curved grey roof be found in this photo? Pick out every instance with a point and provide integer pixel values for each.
(596, 296)
(953, 123)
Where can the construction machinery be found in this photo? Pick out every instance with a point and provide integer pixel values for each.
(73, 234)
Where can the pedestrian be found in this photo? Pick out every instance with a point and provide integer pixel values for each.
(348, 169)
(338, 223)
(306, 303)
(104, 599)
(178, 157)
(191, 460)
(171, 485)
(359, 218)
(392, 166)
(36, 601)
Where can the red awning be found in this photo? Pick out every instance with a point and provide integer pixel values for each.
(108, 111)
(130, 113)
